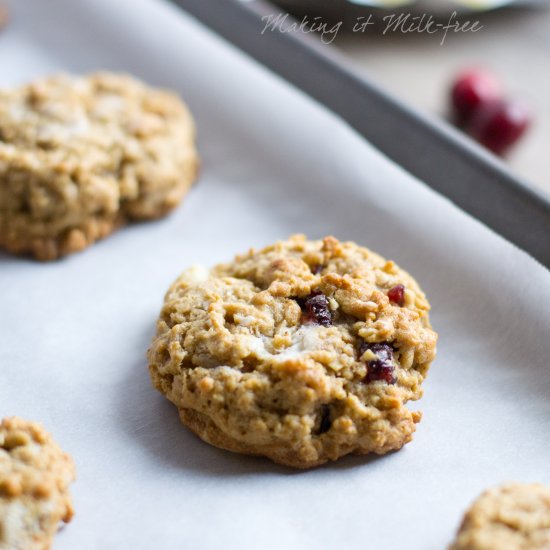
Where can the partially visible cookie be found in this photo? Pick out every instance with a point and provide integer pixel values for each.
(34, 478)
(303, 352)
(515, 516)
(79, 156)
(4, 16)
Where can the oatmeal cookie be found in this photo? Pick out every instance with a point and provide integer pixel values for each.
(79, 156)
(303, 352)
(515, 516)
(34, 478)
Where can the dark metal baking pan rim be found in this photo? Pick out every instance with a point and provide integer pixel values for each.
(430, 149)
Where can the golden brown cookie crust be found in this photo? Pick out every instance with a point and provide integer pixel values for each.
(80, 156)
(515, 516)
(34, 478)
(249, 372)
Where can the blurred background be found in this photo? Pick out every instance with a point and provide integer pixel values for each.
(510, 55)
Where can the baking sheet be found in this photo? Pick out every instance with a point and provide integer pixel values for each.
(73, 334)
(427, 146)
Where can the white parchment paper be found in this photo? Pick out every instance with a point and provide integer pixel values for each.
(73, 334)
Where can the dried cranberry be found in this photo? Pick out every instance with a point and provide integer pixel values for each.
(381, 368)
(472, 90)
(317, 268)
(325, 422)
(500, 124)
(397, 294)
(315, 309)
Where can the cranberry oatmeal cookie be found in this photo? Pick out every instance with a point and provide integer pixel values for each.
(79, 156)
(303, 352)
(515, 516)
(34, 478)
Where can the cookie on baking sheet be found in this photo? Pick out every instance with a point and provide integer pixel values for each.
(515, 516)
(303, 352)
(79, 156)
(34, 478)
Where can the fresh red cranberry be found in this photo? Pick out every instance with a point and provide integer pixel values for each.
(315, 309)
(500, 124)
(472, 90)
(397, 294)
(381, 368)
